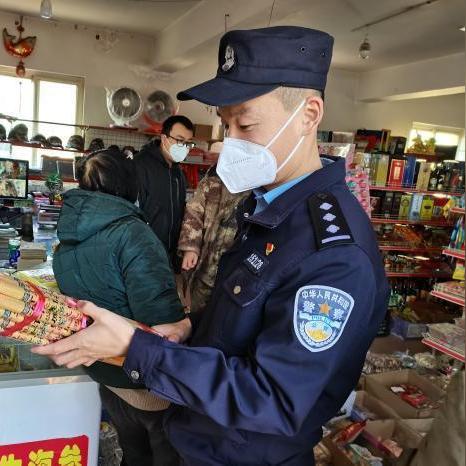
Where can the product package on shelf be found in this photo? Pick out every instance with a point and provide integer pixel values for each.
(395, 177)
(358, 183)
(410, 320)
(457, 235)
(450, 334)
(39, 316)
(338, 149)
(452, 288)
(409, 171)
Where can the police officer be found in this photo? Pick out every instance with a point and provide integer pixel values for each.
(298, 298)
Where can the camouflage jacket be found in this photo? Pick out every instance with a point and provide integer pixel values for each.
(209, 227)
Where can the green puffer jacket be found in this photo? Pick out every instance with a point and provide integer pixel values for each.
(110, 256)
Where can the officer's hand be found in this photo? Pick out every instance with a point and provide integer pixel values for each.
(107, 337)
(178, 332)
(190, 259)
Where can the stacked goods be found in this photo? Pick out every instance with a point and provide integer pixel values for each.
(6, 233)
(35, 315)
(358, 183)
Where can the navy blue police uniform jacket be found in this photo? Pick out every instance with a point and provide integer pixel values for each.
(297, 302)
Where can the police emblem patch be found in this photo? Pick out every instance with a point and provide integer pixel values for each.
(229, 58)
(320, 316)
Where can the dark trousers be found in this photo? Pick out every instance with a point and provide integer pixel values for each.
(140, 433)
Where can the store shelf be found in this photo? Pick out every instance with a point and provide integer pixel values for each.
(404, 221)
(38, 147)
(456, 253)
(447, 297)
(414, 190)
(455, 353)
(428, 157)
(427, 274)
(128, 129)
(457, 210)
(414, 250)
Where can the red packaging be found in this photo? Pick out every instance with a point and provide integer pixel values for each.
(395, 177)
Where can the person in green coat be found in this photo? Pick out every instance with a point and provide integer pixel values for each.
(110, 256)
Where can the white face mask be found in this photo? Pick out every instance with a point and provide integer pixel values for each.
(244, 165)
(177, 153)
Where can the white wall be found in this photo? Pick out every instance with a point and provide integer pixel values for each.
(398, 116)
(437, 76)
(62, 49)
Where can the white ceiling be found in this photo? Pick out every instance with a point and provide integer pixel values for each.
(428, 32)
(138, 16)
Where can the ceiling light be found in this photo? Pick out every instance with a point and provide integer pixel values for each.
(365, 49)
(46, 9)
(462, 29)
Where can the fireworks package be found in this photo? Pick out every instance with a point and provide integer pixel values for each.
(36, 315)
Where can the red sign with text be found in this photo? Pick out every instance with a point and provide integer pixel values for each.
(55, 452)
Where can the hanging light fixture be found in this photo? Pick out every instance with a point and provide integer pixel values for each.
(46, 9)
(365, 48)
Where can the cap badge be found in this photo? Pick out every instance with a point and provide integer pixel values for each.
(229, 58)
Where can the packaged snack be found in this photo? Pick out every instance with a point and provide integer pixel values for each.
(413, 395)
(349, 434)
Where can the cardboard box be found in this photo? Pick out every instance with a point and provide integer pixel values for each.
(395, 178)
(338, 456)
(377, 431)
(366, 403)
(421, 427)
(409, 171)
(382, 170)
(427, 208)
(415, 207)
(379, 385)
(203, 132)
(405, 205)
(424, 176)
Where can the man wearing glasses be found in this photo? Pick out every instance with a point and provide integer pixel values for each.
(162, 185)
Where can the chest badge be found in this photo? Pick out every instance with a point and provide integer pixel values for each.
(269, 248)
(320, 316)
(256, 263)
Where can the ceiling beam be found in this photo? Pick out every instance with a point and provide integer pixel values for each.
(175, 47)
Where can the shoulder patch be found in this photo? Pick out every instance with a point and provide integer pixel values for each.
(320, 316)
(330, 226)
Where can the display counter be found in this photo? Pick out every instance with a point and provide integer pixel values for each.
(49, 416)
